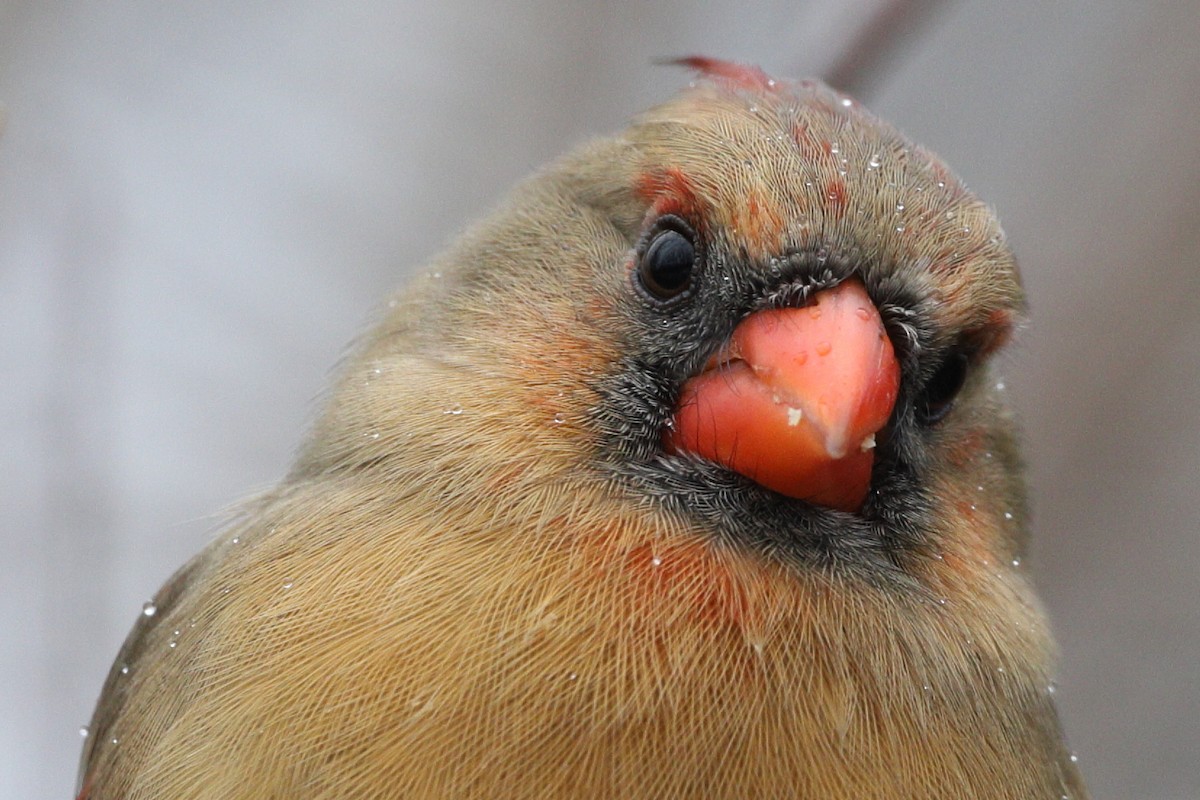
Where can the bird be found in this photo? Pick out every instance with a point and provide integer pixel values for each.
(687, 472)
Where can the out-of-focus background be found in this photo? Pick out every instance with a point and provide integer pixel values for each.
(200, 205)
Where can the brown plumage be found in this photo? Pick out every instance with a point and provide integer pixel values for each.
(498, 570)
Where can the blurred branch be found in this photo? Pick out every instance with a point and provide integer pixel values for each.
(864, 37)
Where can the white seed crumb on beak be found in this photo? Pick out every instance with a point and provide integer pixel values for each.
(867, 443)
(794, 416)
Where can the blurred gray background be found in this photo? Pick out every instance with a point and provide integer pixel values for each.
(200, 205)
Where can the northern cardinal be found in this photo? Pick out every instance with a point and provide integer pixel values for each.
(684, 474)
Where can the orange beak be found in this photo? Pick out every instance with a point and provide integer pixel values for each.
(794, 400)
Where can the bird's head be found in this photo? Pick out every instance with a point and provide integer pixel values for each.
(808, 306)
(760, 307)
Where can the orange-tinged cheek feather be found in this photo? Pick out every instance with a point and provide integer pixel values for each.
(690, 577)
(796, 398)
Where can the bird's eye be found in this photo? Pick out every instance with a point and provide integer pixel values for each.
(938, 397)
(665, 270)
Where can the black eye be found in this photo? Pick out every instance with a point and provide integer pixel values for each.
(665, 271)
(938, 398)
